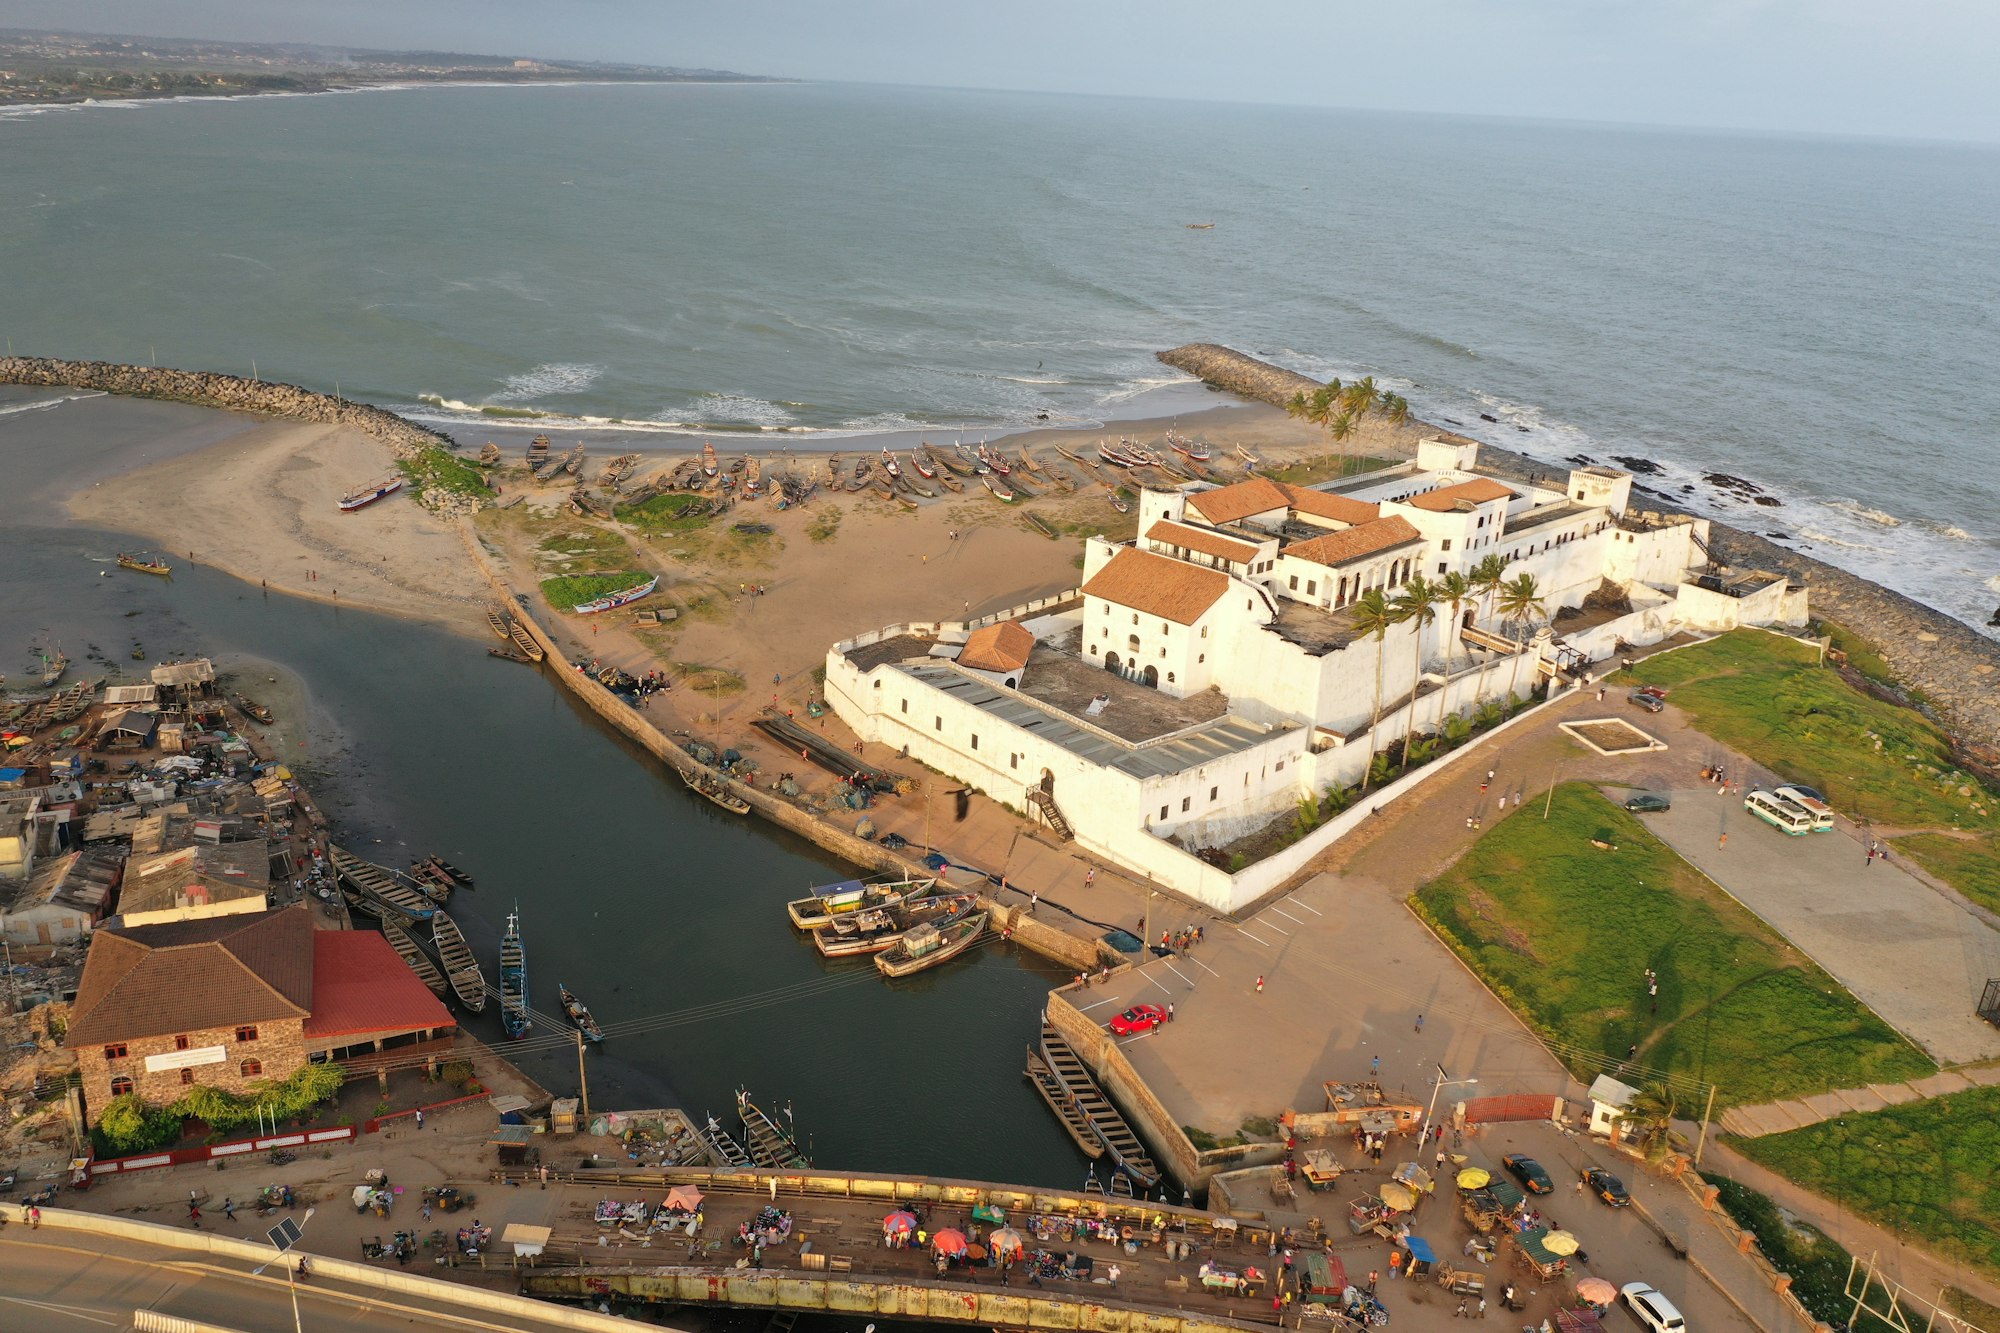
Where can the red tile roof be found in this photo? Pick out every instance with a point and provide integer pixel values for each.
(183, 976)
(1447, 498)
(1158, 586)
(1001, 647)
(361, 987)
(1199, 539)
(1337, 548)
(1227, 504)
(1324, 504)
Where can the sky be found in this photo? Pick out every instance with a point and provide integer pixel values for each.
(1899, 68)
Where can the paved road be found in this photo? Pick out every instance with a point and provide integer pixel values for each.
(67, 1282)
(1916, 956)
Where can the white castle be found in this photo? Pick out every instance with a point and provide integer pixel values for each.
(1230, 660)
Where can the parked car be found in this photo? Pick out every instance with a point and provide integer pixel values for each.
(1652, 1309)
(1529, 1172)
(1607, 1187)
(1652, 703)
(1646, 803)
(1139, 1018)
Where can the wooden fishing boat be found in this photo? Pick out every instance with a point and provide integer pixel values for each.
(753, 479)
(994, 459)
(873, 929)
(960, 464)
(382, 888)
(420, 962)
(1074, 458)
(489, 455)
(525, 641)
(153, 566)
(573, 464)
(709, 466)
(496, 620)
(851, 895)
(579, 1014)
(951, 483)
(1107, 1125)
(1117, 500)
(770, 1146)
(254, 709)
(980, 467)
(514, 980)
(890, 465)
(363, 496)
(1249, 459)
(538, 451)
(1137, 452)
(999, 488)
(1028, 463)
(928, 945)
(468, 983)
(726, 1151)
(924, 470)
(612, 601)
(617, 470)
(437, 870)
(1115, 457)
(707, 784)
(1187, 448)
(1057, 1096)
(1019, 485)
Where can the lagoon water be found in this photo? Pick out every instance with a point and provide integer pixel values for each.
(1814, 315)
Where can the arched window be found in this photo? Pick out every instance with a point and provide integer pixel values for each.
(120, 1086)
(251, 1068)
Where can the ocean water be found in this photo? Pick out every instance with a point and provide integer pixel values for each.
(1812, 316)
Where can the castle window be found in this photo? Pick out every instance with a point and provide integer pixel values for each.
(906, 705)
(937, 724)
(181, 1043)
(251, 1069)
(975, 740)
(1187, 803)
(1013, 761)
(1163, 812)
(1135, 617)
(1201, 657)
(1204, 631)
(1312, 587)
(115, 1050)
(1165, 628)
(1093, 650)
(1446, 546)
(1213, 792)
(1295, 583)
(187, 1078)
(1278, 767)
(1170, 678)
(246, 1034)
(120, 1086)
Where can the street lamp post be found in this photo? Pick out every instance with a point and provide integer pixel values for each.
(1439, 1084)
(285, 1244)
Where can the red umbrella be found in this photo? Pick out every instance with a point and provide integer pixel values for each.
(949, 1243)
(898, 1223)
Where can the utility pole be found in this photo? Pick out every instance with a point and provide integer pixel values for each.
(583, 1082)
(1707, 1112)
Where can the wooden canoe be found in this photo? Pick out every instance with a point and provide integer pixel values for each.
(420, 962)
(910, 955)
(1057, 1096)
(467, 981)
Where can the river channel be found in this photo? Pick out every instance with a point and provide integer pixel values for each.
(649, 902)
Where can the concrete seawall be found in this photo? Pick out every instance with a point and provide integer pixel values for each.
(1953, 666)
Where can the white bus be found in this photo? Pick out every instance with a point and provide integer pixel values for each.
(1810, 801)
(1779, 813)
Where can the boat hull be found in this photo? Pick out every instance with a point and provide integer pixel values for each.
(368, 495)
(957, 938)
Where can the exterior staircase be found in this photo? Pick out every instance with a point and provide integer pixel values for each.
(1046, 803)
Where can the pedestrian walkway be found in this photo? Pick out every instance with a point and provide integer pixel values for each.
(1753, 1122)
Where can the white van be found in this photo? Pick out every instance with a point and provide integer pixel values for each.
(1810, 801)
(1779, 813)
(1652, 1309)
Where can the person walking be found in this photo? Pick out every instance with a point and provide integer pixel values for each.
(1375, 1066)
(229, 1209)
(194, 1214)
(1090, 877)
(1420, 1022)
(1373, 1278)
(420, 1119)
(1721, 841)
(1260, 985)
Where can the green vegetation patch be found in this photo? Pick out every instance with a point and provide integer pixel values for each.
(1817, 1265)
(666, 513)
(438, 471)
(1564, 931)
(1765, 695)
(1970, 865)
(825, 525)
(1924, 1170)
(1323, 467)
(1204, 1141)
(567, 591)
(129, 1126)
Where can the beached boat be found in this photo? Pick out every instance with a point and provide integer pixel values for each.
(437, 870)
(1249, 459)
(1115, 457)
(53, 667)
(890, 465)
(525, 641)
(144, 566)
(1117, 500)
(489, 455)
(851, 895)
(994, 459)
(999, 488)
(514, 980)
(709, 466)
(380, 888)
(980, 467)
(612, 601)
(874, 929)
(924, 470)
(707, 784)
(1080, 1091)
(254, 709)
(468, 983)
(538, 451)
(753, 479)
(928, 945)
(1028, 463)
(951, 483)
(579, 1014)
(1187, 448)
(959, 464)
(420, 962)
(496, 620)
(363, 496)
(770, 1146)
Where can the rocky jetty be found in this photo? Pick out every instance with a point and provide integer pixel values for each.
(1951, 667)
(405, 439)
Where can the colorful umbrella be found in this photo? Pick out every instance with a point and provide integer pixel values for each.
(949, 1243)
(1597, 1291)
(1398, 1196)
(1006, 1243)
(1561, 1242)
(1474, 1177)
(899, 1223)
(684, 1196)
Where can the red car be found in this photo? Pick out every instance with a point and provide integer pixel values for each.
(1139, 1018)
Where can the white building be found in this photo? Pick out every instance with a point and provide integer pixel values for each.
(1210, 673)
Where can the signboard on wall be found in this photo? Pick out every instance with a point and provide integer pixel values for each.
(198, 1055)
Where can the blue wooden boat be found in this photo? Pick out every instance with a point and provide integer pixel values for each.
(513, 980)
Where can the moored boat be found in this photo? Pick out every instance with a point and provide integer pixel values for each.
(1115, 457)
(1000, 490)
(376, 888)
(144, 566)
(468, 983)
(770, 1146)
(960, 465)
(612, 601)
(924, 470)
(707, 784)
(419, 962)
(1249, 459)
(363, 496)
(1187, 448)
(851, 895)
(873, 929)
(514, 980)
(254, 709)
(525, 641)
(489, 455)
(928, 945)
(496, 620)
(579, 1014)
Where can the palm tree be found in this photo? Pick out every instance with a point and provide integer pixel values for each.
(1396, 408)
(1416, 602)
(1456, 590)
(1374, 615)
(1361, 396)
(1520, 602)
(1650, 1117)
(1486, 578)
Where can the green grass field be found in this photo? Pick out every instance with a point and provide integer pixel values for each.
(437, 470)
(1564, 931)
(1925, 1170)
(1763, 695)
(666, 513)
(1971, 865)
(568, 590)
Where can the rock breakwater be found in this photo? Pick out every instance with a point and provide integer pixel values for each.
(405, 439)
(1954, 667)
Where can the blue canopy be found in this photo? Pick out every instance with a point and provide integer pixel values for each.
(1420, 1250)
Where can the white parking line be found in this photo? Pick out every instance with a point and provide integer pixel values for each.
(1280, 929)
(1086, 1008)
(1139, 1037)
(1287, 915)
(1294, 902)
(1182, 975)
(1206, 968)
(1248, 936)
